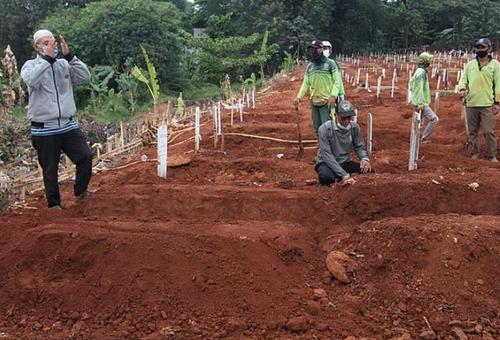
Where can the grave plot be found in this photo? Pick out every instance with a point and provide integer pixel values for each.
(238, 242)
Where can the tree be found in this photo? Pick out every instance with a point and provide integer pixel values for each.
(18, 21)
(110, 32)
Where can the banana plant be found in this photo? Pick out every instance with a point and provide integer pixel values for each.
(151, 80)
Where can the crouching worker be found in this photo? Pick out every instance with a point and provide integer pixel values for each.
(336, 141)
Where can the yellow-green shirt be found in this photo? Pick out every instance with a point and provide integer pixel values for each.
(482, 83)
(321, 81)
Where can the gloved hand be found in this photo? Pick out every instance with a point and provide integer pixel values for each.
(331, 102)
(365, 166)
(347, 180)
(296, 103)
(462, 93)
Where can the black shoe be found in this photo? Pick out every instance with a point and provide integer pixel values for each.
(84, 195)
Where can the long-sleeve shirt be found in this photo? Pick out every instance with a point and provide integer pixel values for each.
(335, 145)
(321, 81)
(482, 83)
(419, 88)
(341, 85)
(50, 84)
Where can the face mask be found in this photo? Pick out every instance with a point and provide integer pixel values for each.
(326, 53)
(56, 50)
(481, 54)
(317, 56)
(342, 127)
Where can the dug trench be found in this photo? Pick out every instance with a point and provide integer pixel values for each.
(233, 245)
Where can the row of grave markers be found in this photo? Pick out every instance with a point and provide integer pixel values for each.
(216, 112)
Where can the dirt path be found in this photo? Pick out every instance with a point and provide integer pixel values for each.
(234, 244)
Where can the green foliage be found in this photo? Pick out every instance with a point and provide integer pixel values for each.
(212, 58)
(18, 21)
(110, 32)
(250, 82)
(14, 137)
(288, 62)
(151, 81)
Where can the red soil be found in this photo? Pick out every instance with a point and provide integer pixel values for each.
(234, 244)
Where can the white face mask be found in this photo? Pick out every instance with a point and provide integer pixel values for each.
(342, 127)
(326, 53)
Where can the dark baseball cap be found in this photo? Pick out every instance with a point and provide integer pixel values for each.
(315, 44)
(483, 42)
(346, 109)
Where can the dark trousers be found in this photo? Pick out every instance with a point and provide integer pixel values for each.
(327, 176)
(74, 145)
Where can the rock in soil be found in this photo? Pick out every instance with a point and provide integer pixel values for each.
(335, 264)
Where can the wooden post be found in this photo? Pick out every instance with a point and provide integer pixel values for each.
(216, 125)
(392, 85)
(253, 97)
(370, 134)
(379, 85)
(232, 110)
(197, 136)
(240, 107)
(162, 150)
(414, 141)
(436, 102)
(109, 144)
(122, 137)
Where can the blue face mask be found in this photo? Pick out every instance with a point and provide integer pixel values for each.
(56, 51)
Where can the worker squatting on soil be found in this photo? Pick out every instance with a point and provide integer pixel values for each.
(328, 52)
(480, 87)
(336, 141)
(50, 83)
(322, 82)
(421, 94)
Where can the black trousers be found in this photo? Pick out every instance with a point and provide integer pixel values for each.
(327, 176)
(74, 145)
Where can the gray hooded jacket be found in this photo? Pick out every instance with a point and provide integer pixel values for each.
(335, 145)
(50, 87)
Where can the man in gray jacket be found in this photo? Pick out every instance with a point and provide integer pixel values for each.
(336, 141)
(50, 83)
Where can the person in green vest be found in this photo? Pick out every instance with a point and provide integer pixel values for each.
(421, 94)
(322, 83)
(479, 86)
(328, 52)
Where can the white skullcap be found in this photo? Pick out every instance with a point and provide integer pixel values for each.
(40, 34)
(327, 44)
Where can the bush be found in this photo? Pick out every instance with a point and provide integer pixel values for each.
(14, 137)
(110, 32)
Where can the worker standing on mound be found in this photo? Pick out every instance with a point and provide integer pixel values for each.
(328, 52)
(51, 109)
(480, 86)
(336, 141)
(322, 83)
(421, 95)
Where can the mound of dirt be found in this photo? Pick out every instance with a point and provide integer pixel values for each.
(233, 244)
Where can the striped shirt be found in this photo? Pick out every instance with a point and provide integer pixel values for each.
(55, 130)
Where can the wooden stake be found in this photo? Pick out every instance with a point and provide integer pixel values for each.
(379, 85)
(162, 150)
(436, 103)
(370, 134)
(197, 136)
(414, 141)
